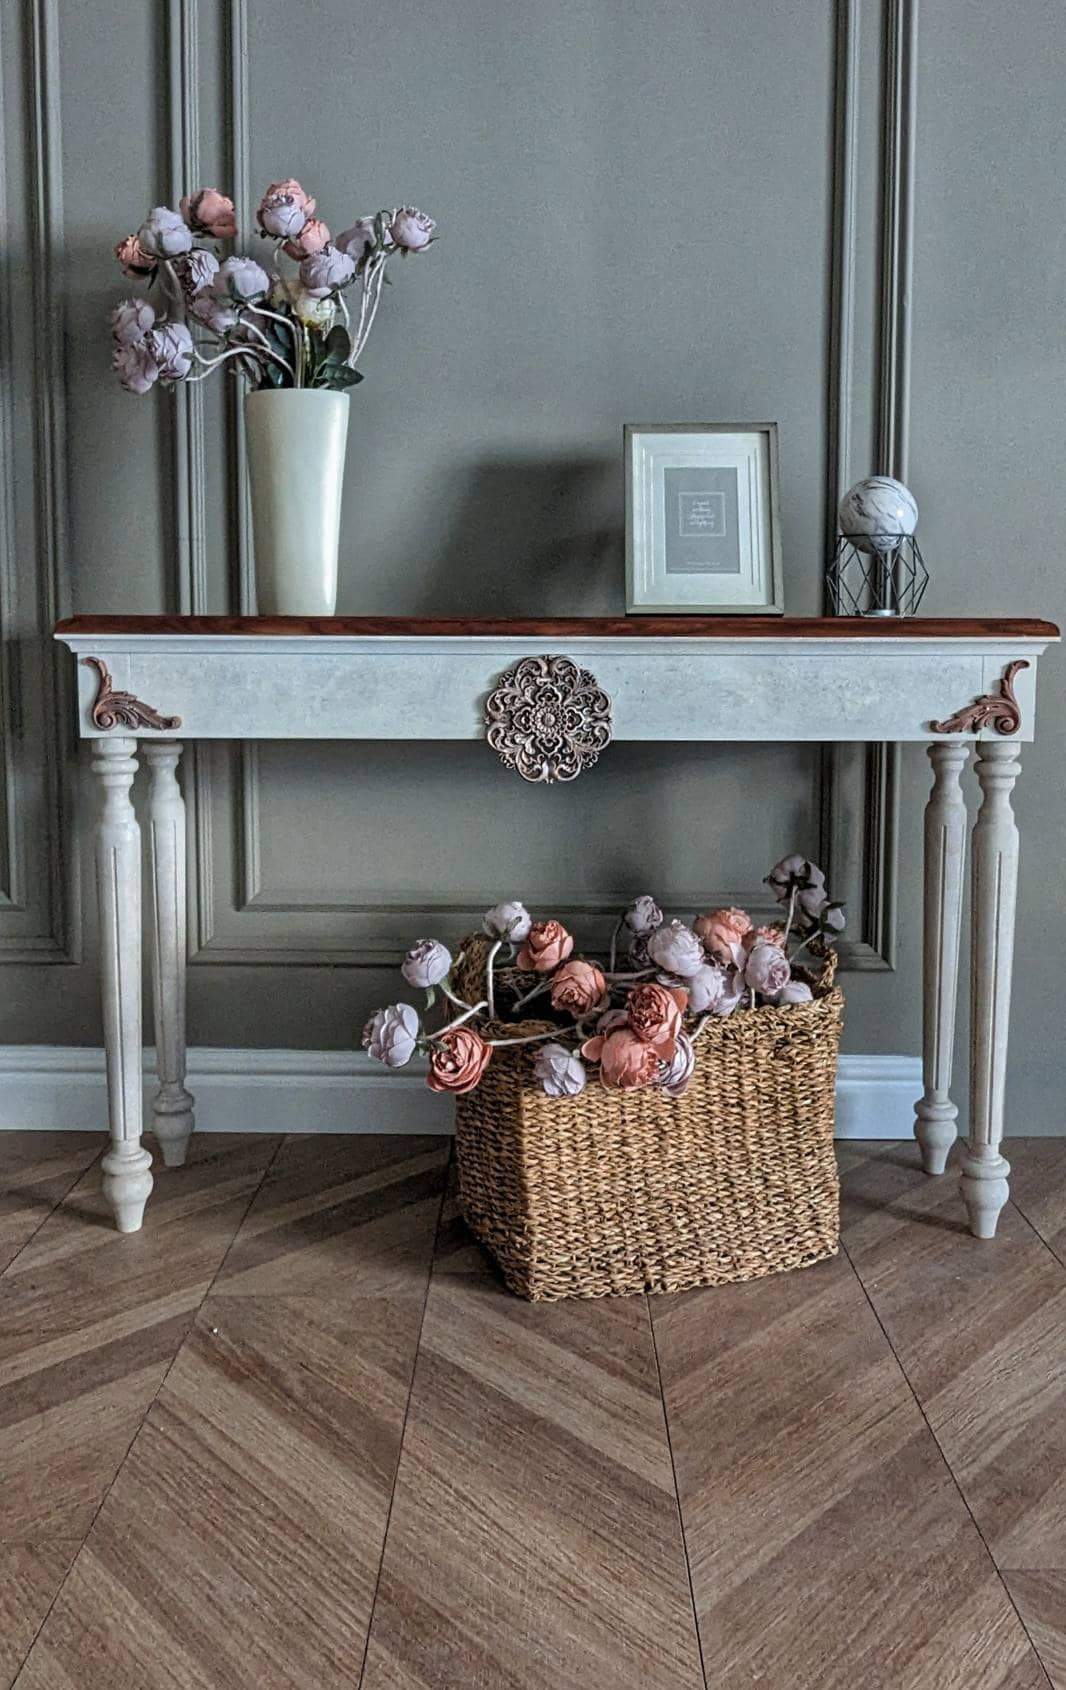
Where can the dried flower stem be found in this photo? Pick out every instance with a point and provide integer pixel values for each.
(475, 1009)
(460, 1003)
(791, 917)
(541, 986)
(490, 994)
(528, 1039)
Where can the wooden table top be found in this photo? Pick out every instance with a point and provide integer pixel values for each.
(579, 627)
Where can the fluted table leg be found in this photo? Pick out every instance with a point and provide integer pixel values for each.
(995, 879)
(172, 1106)
(945, 859)
(127, 1165)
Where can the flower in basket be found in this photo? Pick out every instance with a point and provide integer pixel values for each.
(627, 1062)
(427, 963)
(767, 970)
(675, 948)
(707, 988)
(547, 945)
(457, 1060)
(720, 930)
(578, 987)
(560, 1072)
(678, 1072)
(391, 1035)
(654, 1012)
(508, 921)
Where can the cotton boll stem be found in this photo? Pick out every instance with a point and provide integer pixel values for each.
(490, 994)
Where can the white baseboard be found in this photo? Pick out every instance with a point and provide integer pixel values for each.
(336, 1091)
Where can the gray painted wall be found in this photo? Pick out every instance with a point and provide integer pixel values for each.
(685, 213)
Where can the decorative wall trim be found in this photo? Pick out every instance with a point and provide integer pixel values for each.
(11, 857)
(899, 118)
(183, 169)
(49, 808)
(326, 1091)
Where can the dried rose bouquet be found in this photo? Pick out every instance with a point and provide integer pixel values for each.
(637, 1024)
(277, 330)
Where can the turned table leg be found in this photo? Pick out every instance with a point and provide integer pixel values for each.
(945, 858)
(995, 878)
(172, 1106)
(126, 1165)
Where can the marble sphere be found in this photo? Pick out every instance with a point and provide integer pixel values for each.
(877, 506)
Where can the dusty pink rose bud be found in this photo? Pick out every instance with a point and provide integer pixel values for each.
(509, 920)
(626, 1061)
(643, 916)
(171, 347)
(427, 963)
(133, 258)
(411, 229)
(560, 1072)
(241, 279)
(720, 930)
(210, 212)
(324, 271)
(547, 945)
(391, 1035)
(284, 209)
(130, 321)
(675, 948)
(678, 1072)
(312, 238)
(764, 936)
(458, 1060)
(654, 1012)
(578, 987)
(767, 969)
(164, 233)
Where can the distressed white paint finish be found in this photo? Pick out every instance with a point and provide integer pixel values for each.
(995, 880)
(945, 858)
(325, 686)
(127, 1178)
(172, 1106)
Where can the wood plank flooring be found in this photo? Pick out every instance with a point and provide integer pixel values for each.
(295, 1436)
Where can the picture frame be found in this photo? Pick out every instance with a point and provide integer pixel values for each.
(703, 532)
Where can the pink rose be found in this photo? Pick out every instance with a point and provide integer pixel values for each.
(210, 212)
(720, 930)
(324, 270)
(767, 969)
(764, 936)
(578, 987)
(284, 209)
(560, 1072)
(547, 945)
(626, 1061)
(411, 229)
(458, 1060)
(706, 988)
(675, 948)
(654, 1012)
(133, 258)
(312, 238)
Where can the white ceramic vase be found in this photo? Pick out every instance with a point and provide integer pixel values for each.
(296, 441)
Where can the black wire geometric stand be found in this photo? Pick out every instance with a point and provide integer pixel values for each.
(876, 575)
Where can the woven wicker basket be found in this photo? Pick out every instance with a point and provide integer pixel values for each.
(617, 1192)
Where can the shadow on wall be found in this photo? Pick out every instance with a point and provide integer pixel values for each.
(529, 537)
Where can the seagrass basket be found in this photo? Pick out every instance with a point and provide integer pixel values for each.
(611, 1193)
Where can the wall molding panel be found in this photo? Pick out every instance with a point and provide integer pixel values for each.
(339, 1091)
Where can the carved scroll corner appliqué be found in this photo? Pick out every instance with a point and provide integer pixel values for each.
(548, 719)
(114, 709)
(997, 710)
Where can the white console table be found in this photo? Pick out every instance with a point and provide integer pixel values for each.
(152, 682)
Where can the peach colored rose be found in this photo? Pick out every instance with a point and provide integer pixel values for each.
(133, 258)
(654, 1014)
(458, 1060)
(547, 946)
(210, 212)
(720, 930)
(626, 1060)
(312, 238)
(578, 987)
(764, 936)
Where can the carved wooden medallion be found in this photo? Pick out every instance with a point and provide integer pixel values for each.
(112, 709)
(548, 719)
(999, 710)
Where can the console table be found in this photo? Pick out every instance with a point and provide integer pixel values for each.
(143, 681)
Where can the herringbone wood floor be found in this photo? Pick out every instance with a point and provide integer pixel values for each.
(294, 1436)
